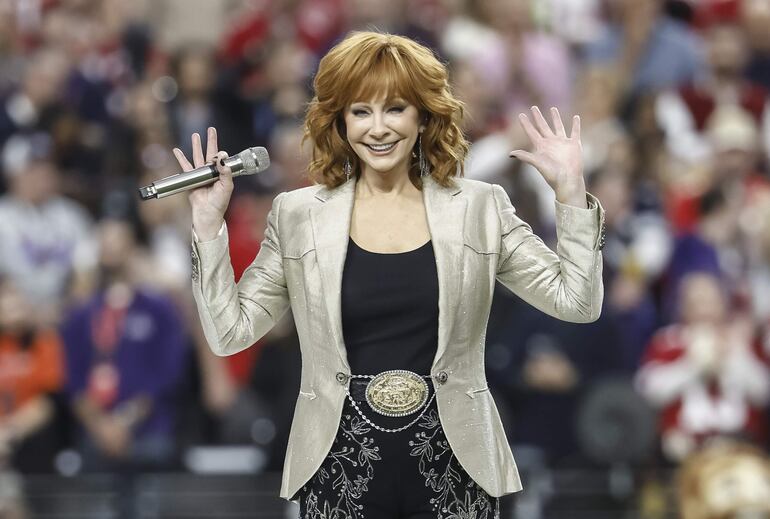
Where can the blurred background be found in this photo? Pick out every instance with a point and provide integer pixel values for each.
(111, 404)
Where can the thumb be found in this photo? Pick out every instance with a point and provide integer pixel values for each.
(523, 156)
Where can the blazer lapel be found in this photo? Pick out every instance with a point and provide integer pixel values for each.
(446, 221)
(331, 231)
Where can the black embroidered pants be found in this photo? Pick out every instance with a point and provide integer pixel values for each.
(410, 474)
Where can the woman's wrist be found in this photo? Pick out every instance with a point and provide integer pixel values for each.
(206, 231)
(572, 193)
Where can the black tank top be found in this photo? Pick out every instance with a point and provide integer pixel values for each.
(390, 309)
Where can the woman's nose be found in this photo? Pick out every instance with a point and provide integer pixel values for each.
(379, 129)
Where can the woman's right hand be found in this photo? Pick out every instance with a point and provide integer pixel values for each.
(209, 203)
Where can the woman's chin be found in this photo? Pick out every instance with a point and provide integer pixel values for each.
(384, 167)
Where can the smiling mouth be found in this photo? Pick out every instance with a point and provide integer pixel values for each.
(381, 147)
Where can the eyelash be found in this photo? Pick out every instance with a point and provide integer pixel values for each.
(399, 109)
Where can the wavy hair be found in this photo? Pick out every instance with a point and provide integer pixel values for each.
(364, 66)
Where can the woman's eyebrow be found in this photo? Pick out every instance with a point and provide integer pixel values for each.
(388, 101)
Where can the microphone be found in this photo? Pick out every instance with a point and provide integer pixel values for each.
(247, 162)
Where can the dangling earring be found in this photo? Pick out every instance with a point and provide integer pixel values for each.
(347, 168)
(423, 161)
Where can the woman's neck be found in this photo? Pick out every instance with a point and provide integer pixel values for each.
(375, 185)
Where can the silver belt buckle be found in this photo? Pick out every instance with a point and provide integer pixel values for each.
(397, 392)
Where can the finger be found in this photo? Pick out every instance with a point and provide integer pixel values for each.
(541, 123)
(557, 124)
(182, 160)
(197, 150)
(225, 173)
(211, 145)
(524, 156)
(575, 132)
(530, 130)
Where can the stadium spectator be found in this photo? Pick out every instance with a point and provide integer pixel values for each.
(754, 18)
(45, 235)
(31, 372)
(704, 373)
(650, 50)
(543, 368)
(125, 350)
(28, 107)
(708, 248)
(686, 113)
(637, 250)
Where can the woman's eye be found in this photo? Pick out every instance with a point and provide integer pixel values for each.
(397, 109)
(359, 112)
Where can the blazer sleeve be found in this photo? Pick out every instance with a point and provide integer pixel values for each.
(566, 284)
(236, 316)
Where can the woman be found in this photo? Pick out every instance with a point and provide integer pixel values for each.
(389, 268)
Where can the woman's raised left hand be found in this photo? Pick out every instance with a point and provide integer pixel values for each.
(558, 157)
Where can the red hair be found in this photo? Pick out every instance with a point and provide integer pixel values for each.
(365, 66)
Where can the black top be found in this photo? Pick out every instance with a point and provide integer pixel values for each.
(390, 309)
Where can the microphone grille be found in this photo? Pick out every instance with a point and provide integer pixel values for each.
(254, 160)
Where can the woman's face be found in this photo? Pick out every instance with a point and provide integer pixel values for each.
(382, 133)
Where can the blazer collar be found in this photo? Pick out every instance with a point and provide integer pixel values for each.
(331, 232)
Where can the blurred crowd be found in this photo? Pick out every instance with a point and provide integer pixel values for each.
(103, 365)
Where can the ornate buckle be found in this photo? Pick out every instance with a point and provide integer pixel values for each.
(397, 392)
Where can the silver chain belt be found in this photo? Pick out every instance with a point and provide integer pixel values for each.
(397, 392)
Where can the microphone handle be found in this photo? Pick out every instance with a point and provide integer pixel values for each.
(183, 181)
(193, 179)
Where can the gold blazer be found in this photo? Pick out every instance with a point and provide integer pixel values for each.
(477, 239)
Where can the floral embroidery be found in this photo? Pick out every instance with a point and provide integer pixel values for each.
(458, 497)
(335, 490)
(346, 463)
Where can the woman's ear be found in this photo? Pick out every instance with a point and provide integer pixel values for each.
(423, 122)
